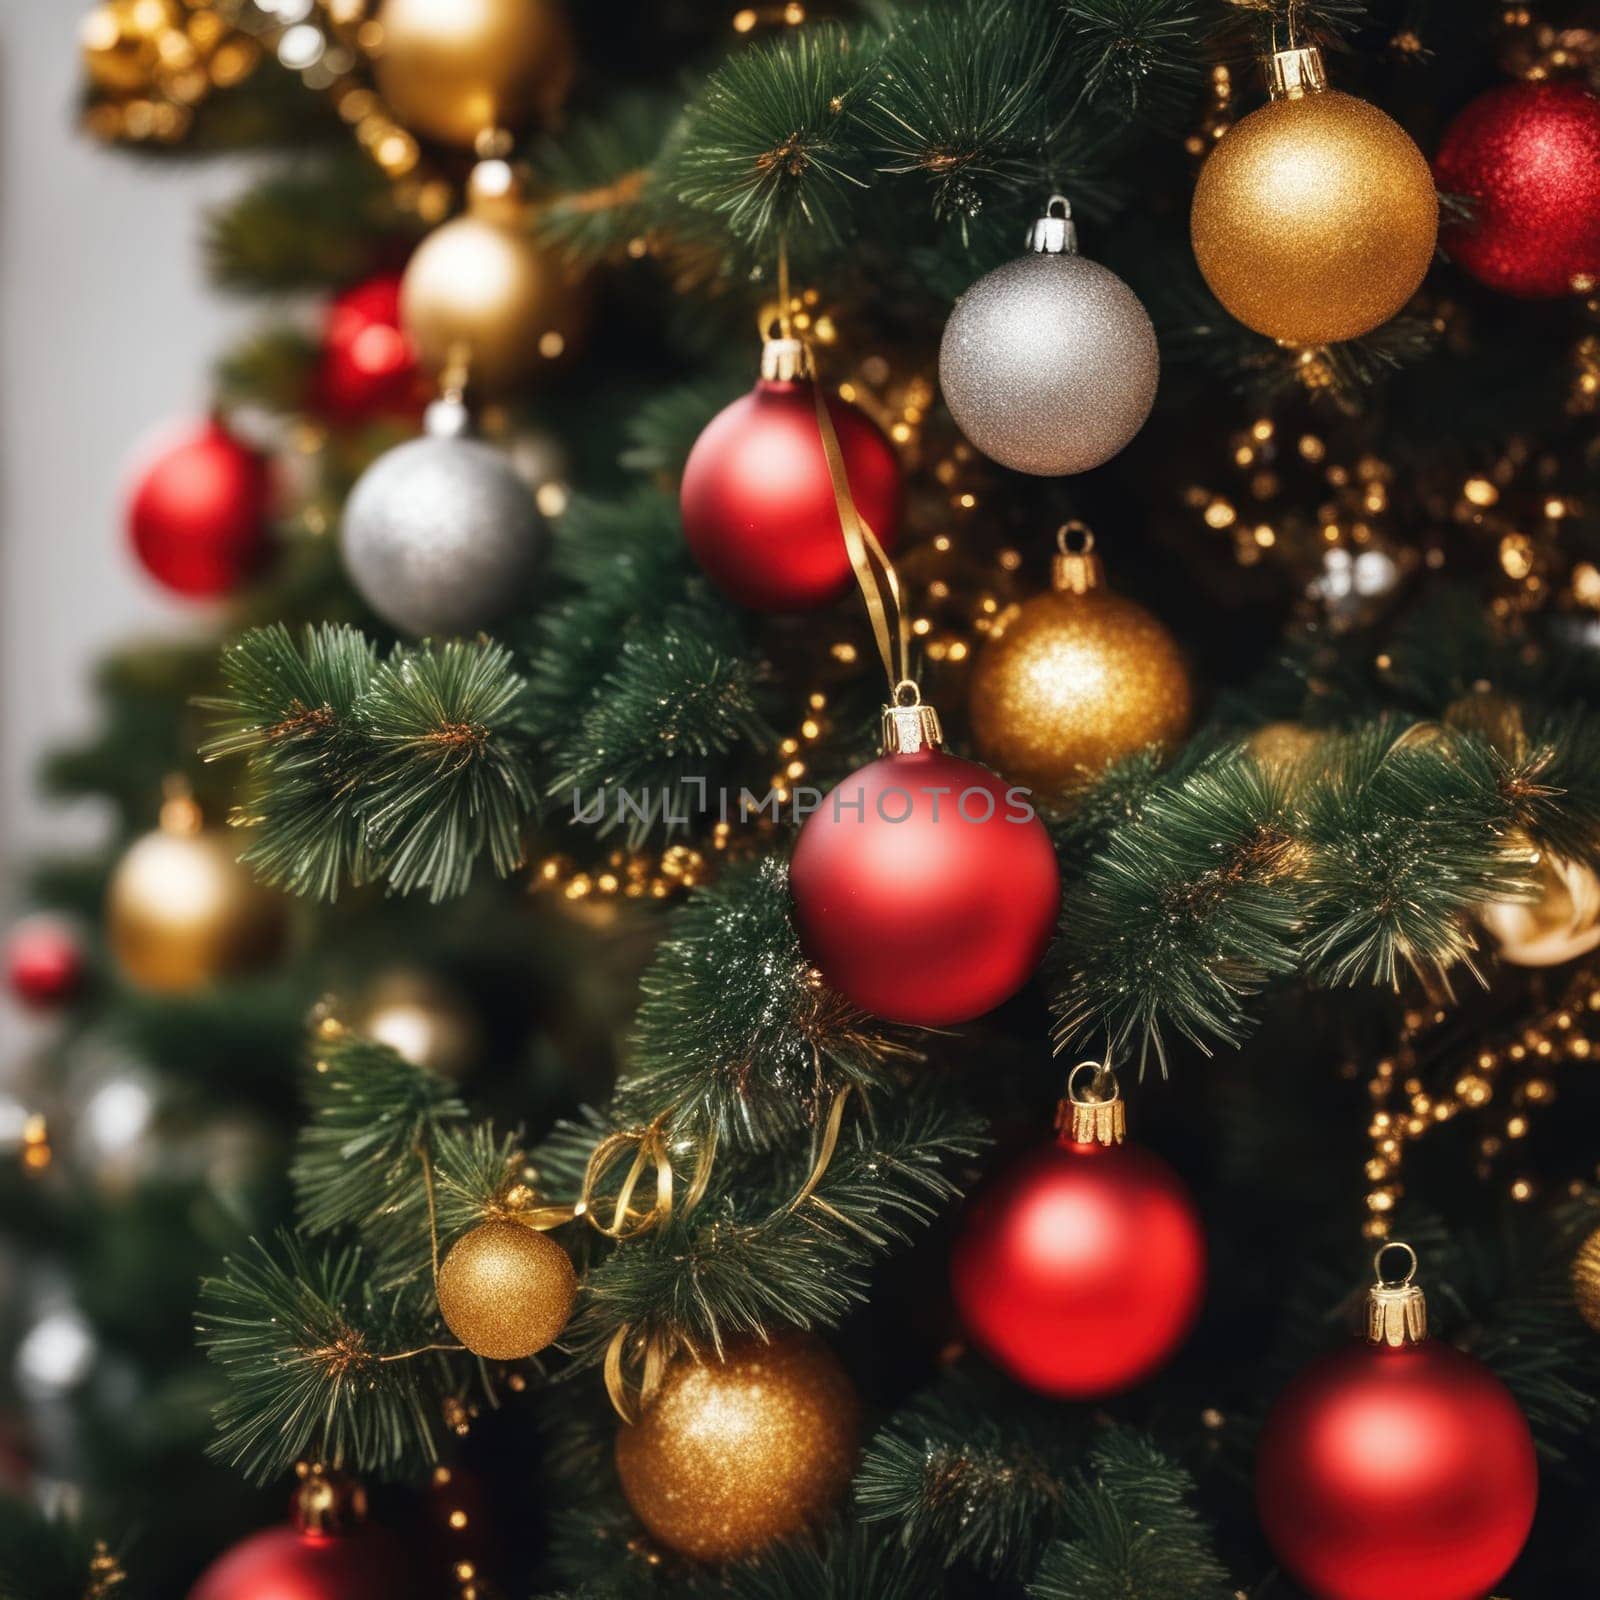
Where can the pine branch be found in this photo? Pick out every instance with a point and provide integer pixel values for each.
(414, 769)
(320, 1365)
(848, 1562)
(767, 147)
(735, 1037)
(746, 1260)
(967, 94)
(359, 1159)
(326, 222)
(1140, 56)
(1134, 1532)
(966, 1475)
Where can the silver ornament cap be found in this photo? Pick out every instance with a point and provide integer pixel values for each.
(1049, 363)
(441, 535)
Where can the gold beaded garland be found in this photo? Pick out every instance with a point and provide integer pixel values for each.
(1315, 217)
(506, 1290)
(1076, 679)
(455, 69)
(732, 1454)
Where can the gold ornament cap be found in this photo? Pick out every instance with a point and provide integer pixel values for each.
(1076, 569)
(1297, 72)
(1096, 1116)
(327, 1503)
(786, 360)
(908, 724)
(1055, 233)
(1397, 1310)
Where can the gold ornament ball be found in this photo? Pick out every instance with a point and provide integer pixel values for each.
(1560, 925)
(1314, 218)
(1075, 680)
(506, 1290)
(453, 69)
(1586, 1280)
(732, 1454)
(182, 912)
(422, 1018)
(480, 297)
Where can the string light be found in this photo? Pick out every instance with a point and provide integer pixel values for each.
(1503, 1082)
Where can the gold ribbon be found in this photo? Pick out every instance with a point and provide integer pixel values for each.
(875, 574)
(656, 1350)
(650, 1149)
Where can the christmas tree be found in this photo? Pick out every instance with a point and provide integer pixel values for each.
(886, 884)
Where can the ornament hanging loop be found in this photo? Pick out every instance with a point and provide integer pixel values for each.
(1055, 233)
(1096, 1116)
(1397, 1310)
(1076, 568)
(908, 724)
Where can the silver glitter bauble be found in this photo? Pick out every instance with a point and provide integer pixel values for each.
(440, 534)
(1049, 363)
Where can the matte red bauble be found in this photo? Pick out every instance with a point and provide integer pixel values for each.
(283, 1564)
(198, 514)
(1081, 1268)
(328, 1552)
(44, 962)
(758, 506)
(368, 365)
(1398, 1466)
(1528, 155)
(924, 888)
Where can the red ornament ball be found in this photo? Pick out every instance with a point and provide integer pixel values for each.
(284, 1564)
(198, 514)
(1385, 1472)
(758, 505)
(1528, 154)
(925, 889)
(368, 366)
(1080, 1269)
(44, 962)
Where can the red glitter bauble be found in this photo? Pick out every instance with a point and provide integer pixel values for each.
(284, 1564)
(1081, 1268)
(758, 505)
(198, 513)
(1528, 155)
(44, 962)
(924, 889)
(368, 366)
(1385, 1471)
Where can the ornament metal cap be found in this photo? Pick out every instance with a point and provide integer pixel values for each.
(447, 417)
(1076, 569)
(1296, 72)
(909, 725)
(1055, 233)
(784, 360)
(327, 1503)
(1098, 1117)
(1397, 1310)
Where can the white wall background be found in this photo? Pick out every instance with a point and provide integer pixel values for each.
(106, 332)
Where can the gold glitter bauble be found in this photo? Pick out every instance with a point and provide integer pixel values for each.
(453, 69)
(1586, 1280)
(422, 1018)
(182, 912)
(1075, 680)
(1314, 218)
(732, 1454)
(1560, 925)
(481, 298)
(506, 1290)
